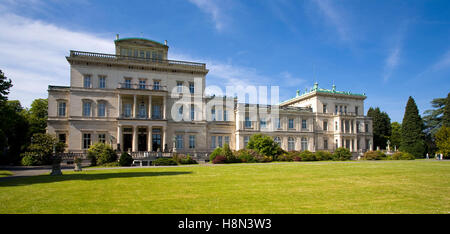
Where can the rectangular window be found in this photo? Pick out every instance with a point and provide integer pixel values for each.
(179, 142)
(180, 112)
(101, 82)
(179, 86)
(335, 109)
(213, 114)
(136, 53)
(336, 126)
(324, 110)
(192, 112)
(142, 84)
(345, 109)
(304, 124)
(220, 141)
(248, 123)
(213, 142)
(127, 110)
(366, 125)
(128, 83)
(262, 123)
(291, 123)
(62, 109)
(147, 54)
(102, 138)
(156, 85)
(356, 110)
(246, 140)
(225, 115)
(227, 140)
(87, 81)
(101, 109)
(325, 125)
(191, 87)
(278, 123)
(62, 137)
(86, 140)
(86, 108)
(325, 144)
(156, 112)
(191, 142)
(304, 144)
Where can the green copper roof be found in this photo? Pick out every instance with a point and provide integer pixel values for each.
(139, 38)
(319, 90)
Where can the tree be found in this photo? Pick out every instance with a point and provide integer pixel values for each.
(433, 119)
(396, 134)
(443, 141)
(412, 131)
(41, 149)
(5, 85)
(446, 112)
(37, 116)
(264, 145)
(381, 127)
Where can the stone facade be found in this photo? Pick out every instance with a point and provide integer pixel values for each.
(137, 100)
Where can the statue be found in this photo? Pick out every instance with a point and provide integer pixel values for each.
(174, 148)
(388, 145)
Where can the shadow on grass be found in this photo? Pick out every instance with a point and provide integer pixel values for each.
(42, 179)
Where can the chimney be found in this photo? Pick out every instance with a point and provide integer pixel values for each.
(117, 36)
(165, 42)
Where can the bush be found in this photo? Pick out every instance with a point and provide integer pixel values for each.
(29, 159)
(307, 156)
(100, 154)
(342, 154)
(245, 156)
(217, 151)
(165, 162)
(111, 164)
(374, 155)
(264, 145)
(125, 160)
(324, 156)
(230, 157)
(188, 160)
(402, 156)
(297, 159)
(219, 159)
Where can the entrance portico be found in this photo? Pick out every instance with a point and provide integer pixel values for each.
(138, 136)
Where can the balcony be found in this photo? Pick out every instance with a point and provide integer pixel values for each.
(142, 87)
(120, 59)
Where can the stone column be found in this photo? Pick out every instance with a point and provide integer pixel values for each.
(149, 139)
(119, 106)
(164, 140)
(134, 106)
(119, 137)
(150, 107)
(164, 107)
(135, 140)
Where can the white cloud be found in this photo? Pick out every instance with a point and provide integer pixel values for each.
(335, 18)
(32, 54)
(212, 8)
(391, 63)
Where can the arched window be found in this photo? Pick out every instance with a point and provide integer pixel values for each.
(291, 144)
(277, 140)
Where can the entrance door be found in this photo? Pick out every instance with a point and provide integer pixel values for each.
(127, 142)
(156, 142)
(142, 142)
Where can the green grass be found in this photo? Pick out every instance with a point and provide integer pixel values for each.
(5, 173)
(417, 186)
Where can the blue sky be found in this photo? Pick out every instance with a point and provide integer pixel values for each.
(389, 50)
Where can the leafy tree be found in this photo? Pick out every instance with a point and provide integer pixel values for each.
(433, 119)
(446, 112)
(14, 136)
(5, 85)
(443, 141)
(264, 145)
(37, 116)
(396, 134)
(412, 131)
(381, 127)
(41, 149)
(101, 153)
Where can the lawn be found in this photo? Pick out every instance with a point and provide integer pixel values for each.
(419, 186)
(5, 173)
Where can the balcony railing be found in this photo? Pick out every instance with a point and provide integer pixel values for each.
(114, 57)
(142, 87)
(142, 117)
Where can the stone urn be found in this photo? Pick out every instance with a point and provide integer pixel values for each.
(77, 163)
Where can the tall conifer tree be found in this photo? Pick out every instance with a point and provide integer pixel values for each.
(412, 130)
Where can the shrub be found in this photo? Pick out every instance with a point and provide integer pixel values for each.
(219, 159)
(111, 164)
(402, 156)
(100, 153)
(374, 155)
(288, 156)
(217, 151)
(125, 160)
(29, 159)
(245, 156)
(230, 157)
(264, 145)
(165, 162)
(342, 154)
(307, 156)
(324, 156)
(188, 160)
(297, 159)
